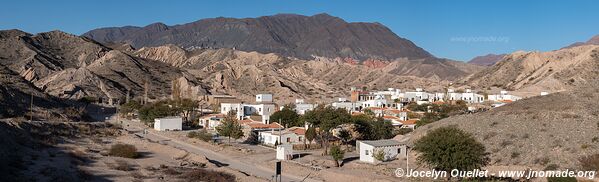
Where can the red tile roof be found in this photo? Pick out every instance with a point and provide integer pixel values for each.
(409, 121)
(258, 125)
(298, 130)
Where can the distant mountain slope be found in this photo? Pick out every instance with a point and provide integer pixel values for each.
(286, 34)
(556, 129)
(593, 41)
(71, 67)
(541, 71)
(486, 60)
(246, 73)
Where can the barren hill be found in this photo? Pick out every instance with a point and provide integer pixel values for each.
(593, 41)
(286, 34)
(71, 67)
(486, 60)
(554, 129)
(246, 73)
(541, 71)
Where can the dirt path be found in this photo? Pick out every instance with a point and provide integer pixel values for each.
(215, 157)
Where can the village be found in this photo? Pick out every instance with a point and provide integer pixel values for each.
(369, 128)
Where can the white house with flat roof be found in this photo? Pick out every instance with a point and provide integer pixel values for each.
(503, 96)
(264, 98)
(168, 124)
(391, 149)
(263, 107)
(301, 107)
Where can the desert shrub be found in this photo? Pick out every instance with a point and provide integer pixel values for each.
(595, 139)
(590, 162)
(123, 150)
(551, 167)
(515, 155)
(403, 131)
(379, 155)
(207, 175)
(202, 135)
(450, 148)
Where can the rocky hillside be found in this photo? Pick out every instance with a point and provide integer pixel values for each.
(486, 60)
(541, 71)
(286, 34)
(246, 73)
(71, 67)
(593, 41)
(16, 94)
(556, 129)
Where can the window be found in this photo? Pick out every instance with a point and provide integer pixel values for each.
(288, 140)
(398, 150)
(300, 139)
(366, 151)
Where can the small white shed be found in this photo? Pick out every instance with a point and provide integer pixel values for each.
(391, 149)
(285, 152)
(168, 124)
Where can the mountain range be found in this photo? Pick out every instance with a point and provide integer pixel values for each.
(486, 60)
(299, 36)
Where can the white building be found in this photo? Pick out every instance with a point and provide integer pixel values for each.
(470, 97)
(504, 96)
(347, 105)
(301, 107)
(263, 107)
(418, 95)
(295, 135)
(285, 152)
(264, 98)
(238, 108)
(168, 124)
(211, 121)
(391, 149)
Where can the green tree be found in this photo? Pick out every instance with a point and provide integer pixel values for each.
(185, 107)
(326, 118)
(129, 107)
(368, 112)
(363, 124)
(287, 116)
(345, 137)
(337, 154)
(149, 112)
(381, 129)
(230, 127)
(450, 148)
(310, 134)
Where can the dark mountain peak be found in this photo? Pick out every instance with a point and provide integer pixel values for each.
(487, 60)
(156, 27)
(593, 41)
(292, 35)
(12, 33)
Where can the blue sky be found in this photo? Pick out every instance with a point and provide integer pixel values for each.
(455, 29)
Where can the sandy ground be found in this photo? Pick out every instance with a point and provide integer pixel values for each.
(311, 164)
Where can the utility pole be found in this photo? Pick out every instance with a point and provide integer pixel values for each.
(31, 108)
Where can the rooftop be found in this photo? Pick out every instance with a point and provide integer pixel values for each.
(381, 143)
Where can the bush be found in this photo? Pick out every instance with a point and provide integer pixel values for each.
(207, 175)
(202, 135)
(123, 150)
(450, 148)
(403, 131)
